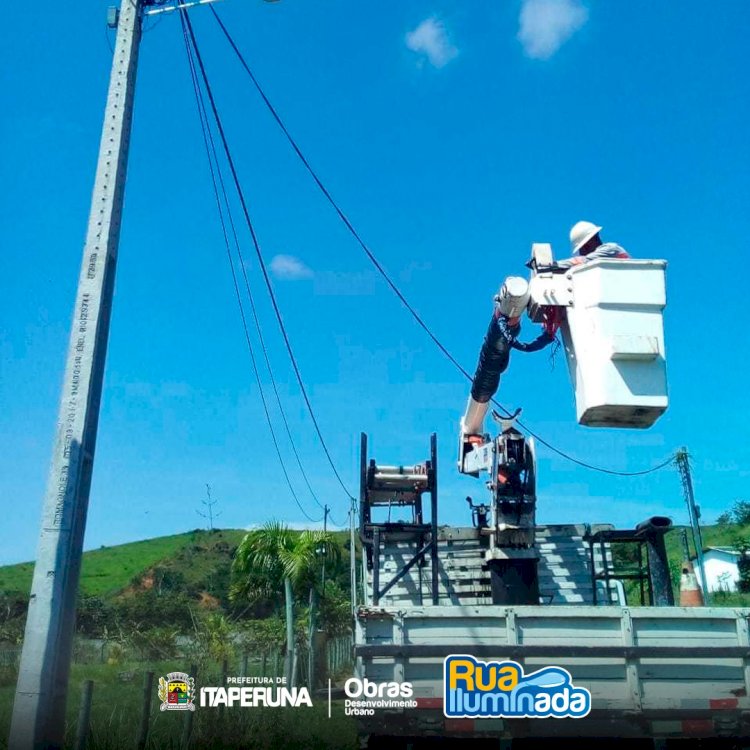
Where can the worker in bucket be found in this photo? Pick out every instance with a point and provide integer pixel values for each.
(586, 245)
(502, 336)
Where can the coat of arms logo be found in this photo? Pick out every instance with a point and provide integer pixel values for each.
(177, 692)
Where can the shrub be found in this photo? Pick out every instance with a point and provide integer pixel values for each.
(8, 675)
(155, 644)
(94, 616)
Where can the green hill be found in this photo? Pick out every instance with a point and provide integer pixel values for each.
(108, 570)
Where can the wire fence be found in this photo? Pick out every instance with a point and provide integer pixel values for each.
(332, 658)
(10, 656)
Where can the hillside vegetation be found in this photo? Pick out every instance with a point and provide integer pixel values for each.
(153, 583)
(159, 577)
(108, 570)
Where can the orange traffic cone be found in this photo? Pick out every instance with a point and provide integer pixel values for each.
(690, 592)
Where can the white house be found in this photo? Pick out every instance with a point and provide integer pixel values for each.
(722, 571)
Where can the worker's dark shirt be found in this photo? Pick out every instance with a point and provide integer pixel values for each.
(495, 356)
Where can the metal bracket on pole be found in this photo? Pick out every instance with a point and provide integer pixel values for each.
(39, 708)
(178, 6)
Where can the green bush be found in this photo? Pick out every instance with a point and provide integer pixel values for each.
(94, 616)
(155, 643)
(262, 635)
(335, 611)
(13, 606)
(148, 609)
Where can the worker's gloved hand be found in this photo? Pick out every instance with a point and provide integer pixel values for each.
(545, 339)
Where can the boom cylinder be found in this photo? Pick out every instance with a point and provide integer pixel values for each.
(473, 420)
(513, 297)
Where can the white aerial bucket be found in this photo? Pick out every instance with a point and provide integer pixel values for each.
(614, 341)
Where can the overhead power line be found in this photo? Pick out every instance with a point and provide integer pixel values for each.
(259, 254)
(335, 205)
(386, 276)
(219, 188)
(254, 311)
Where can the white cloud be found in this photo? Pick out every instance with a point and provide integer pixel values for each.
(545, 25)
(430, 40)
(290, 268)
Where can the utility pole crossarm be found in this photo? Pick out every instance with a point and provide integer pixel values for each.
(39, 708)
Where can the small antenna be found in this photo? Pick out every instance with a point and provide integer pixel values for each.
(209, 515)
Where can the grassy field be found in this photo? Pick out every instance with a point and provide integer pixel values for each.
(713, 536)
(116, 715)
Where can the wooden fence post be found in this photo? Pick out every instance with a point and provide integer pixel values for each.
(148, 684)
(84, 715)
(187, 727)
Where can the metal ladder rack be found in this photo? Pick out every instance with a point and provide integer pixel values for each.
(402, 487)
(610, 571)
(649, 571)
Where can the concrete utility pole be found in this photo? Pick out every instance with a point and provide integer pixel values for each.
(352, 556)
(39, 709)
(326, 510)
(683, 465)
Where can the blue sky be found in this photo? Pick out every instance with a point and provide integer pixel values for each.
(453, 135)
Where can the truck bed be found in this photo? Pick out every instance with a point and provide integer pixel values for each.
(652, 671)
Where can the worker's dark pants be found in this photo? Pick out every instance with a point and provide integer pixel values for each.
(493, 362)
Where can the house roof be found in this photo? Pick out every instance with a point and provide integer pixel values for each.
(726, 550)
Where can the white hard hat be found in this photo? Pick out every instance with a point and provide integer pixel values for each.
(581, 233)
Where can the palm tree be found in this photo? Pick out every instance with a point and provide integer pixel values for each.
(303, 565)
(271, 559)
